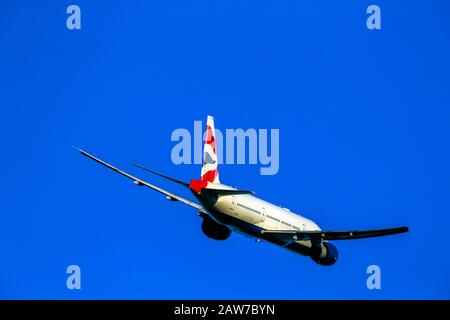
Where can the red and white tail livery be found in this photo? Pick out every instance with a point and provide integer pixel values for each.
(210, 169)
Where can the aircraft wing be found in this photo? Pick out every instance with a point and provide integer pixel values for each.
(141, 182)
(332, 235)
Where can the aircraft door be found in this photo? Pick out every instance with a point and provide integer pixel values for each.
(233, 204)
(263, 214)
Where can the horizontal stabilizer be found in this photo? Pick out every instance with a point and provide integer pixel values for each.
(161, 175)
(332, 235)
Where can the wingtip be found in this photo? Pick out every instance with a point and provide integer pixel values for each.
(81, 151)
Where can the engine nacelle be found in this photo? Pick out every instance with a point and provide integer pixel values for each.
(326, 254)
(214, 230)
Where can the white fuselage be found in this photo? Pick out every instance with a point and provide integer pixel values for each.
(245, 212)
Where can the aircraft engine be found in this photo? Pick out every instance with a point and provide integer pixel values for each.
(326, 254)
(214, 230)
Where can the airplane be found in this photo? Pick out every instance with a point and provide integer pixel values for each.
(225, 209)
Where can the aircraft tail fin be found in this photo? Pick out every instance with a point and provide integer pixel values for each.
(210, 170)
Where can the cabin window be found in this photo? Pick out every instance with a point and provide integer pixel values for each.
(250, 209)
(268, 216)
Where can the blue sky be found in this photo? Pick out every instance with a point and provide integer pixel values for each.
(364, 130)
